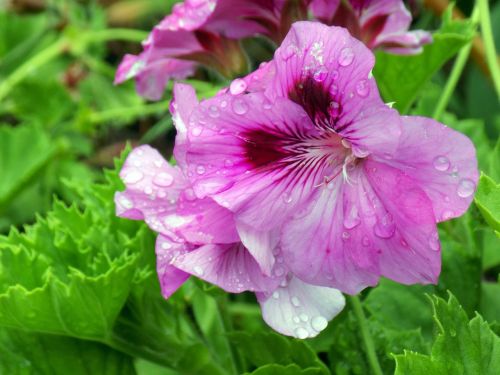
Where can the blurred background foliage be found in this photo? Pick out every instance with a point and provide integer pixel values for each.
(77, 285)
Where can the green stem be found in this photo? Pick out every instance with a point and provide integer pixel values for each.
(130, 35)
(128, 112)
(365, 334)
(489, 43)
(31, 65)
(456, 72)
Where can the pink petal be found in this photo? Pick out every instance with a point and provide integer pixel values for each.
(230, 267)
(299, 309)
(441, 161)
(170, 277)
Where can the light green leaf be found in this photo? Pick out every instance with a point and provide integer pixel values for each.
(400, 77)
(487, 198)
(273, 369)
(461, 346)
(23, 353)
(490, 301)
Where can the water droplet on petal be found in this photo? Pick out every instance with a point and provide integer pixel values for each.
(200, 169)
(279, 271)
(365, 241)
(296, 319)
(301, 333)
(466, 188)
(196, 131)
(447, 215)
(213, 111)
(351, 220)
(319, 323)
(198, 270)
(320, 74)
(276, 294)
(288, 52)
(295, 301)
(304, 317)
(385, 228)
(127, 203)
(345, 236)
(166, 245)
(287, 198)
(333, 109)
(163, 179)
(441, 163)
(362, 88)
(237, 86)
(434, 242)
(334, 89)
(133, 176)
(240, 107)
(346, 57)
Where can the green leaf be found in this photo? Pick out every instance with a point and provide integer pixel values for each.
(490, 301)
(25, 353)
(401, 77)
(262, 348)
(487, 198)
(461, 346)
(273, 369)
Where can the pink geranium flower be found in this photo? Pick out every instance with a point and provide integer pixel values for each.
(199, 237)
(346, 188)
(378, 23)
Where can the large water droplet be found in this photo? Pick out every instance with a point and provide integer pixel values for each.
(133, 176)
(295, 301)
(240, 107)
(301, 333)
(362, 88)
(352, 219)
(237, 86)
(466, 188)
(198, 270)
(320, 74)
(441, 163)
(346, 57)
(385, 227)
(319, 323)
(163, 179)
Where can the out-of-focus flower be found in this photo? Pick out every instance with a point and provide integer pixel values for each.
(378, 23)
(346, 188)
(199, 237)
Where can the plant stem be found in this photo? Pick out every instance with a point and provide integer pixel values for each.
(130, 35)
(31, 65)
(489, 43)
(128, 112)
(365, 334)
(456, 72)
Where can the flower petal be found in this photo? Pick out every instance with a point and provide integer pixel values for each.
(230, 267)
(441, 161)
(183, 103)
(299, 309)
(170, 277)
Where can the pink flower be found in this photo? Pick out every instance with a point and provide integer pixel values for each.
(199, 237)
(346, 188)
(201, 32)
(378, 23)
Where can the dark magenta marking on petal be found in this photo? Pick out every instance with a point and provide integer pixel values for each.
(263, 148)
(372, 29)
(323, 107)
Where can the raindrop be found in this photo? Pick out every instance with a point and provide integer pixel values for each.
(213, 111)
(352, 219)
(447, 215)
(346, 57)
(166, 245)
(127, 203)
(333, 109)
(385, 228)
(196, 131)
(288, 52)
(200, 169)
(295, 301)
(319, 323)
(434, 242)
(133, 177)
(237, 86)
(365, 241)
(287, 198)
(276, 294)
(148, 190)
(334, 89)
(345, 236)
(362, 88)
(296, 319)
(279, 271)
(441, 163)
(240, 107)
(320, 74)
(223, 104)
(163, 179)
(301, 333)
(198, 270)
(304, 317)
(466, 188)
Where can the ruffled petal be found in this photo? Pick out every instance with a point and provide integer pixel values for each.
(299, 309)
(441, 161)
(170, 277)
(328, 72)
(230, 267)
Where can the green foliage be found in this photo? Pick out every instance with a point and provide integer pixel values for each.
(488, 200)
(400, 77)
(461, 346)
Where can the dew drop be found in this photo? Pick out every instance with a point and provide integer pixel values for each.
(295, 301)
(288, 52)
(237, 86)
(148, 190)
(334, 89)
(127, 203)
(362, 88)
(447, 215)
(346, 57)
(345, 236)
(163, 179)
(279, 271)
(287, 198)
(441, 163)
(223, 104)
(276, 294)
(198, 270)
(319, 323)
(304, 317)
(200, 169)
(465, 188)
(301, 333)
(351, 220)
(166, 245)
(320, 74)
(365, 241)
(196, 131)
(385, 228)
(333, 109)
(213, 111)
(434, 242)
(296, 319)
(240, 107)
(133, 177)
